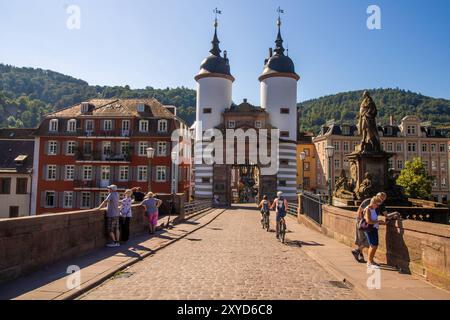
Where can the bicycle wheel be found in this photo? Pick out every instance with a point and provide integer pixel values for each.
(267, 223)
(282, 231)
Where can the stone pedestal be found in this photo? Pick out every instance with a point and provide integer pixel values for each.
(374, 163)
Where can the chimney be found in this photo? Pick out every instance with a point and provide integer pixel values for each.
(225, 54)
(270, 52)
(245, 100)
(391, 120)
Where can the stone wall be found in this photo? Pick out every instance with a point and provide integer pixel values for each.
(30, 243)
(420, 248)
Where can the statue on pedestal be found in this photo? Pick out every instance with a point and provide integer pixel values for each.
(343, 188)
(367, 125)
(366, 189)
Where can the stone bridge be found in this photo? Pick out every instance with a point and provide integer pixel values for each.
(216, 253)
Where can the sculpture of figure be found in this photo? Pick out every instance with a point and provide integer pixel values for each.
(365, 189)
(367, 125)
(343, 188)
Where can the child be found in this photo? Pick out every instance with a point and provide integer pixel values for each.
(125, 215)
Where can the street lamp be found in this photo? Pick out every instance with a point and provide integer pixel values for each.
(174, 188)
(330, 154)
(302, 158)
(150, 155)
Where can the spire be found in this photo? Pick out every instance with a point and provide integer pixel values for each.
(215, 50)
(279, 41)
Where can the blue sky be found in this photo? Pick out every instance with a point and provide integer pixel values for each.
(162, 43)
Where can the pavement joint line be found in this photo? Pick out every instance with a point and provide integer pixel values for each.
(102, 277)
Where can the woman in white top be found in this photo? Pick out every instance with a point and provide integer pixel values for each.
(371, 217)
(125, 215)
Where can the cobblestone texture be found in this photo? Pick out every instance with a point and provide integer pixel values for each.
(231, 258)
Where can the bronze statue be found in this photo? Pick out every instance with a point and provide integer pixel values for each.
(343, 188)
(365, 189)
(367, 125)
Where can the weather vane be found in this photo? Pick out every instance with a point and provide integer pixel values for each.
(280, 11)
(217, 11)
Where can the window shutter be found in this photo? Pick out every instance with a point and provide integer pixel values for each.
(42, 199)
(46, 148)
(77, 172)
(58, 173)
(56, 200)
(44, 172)
(75, 200)
(61, 199)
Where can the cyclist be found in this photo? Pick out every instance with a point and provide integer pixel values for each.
(264, 205)
(281, 207)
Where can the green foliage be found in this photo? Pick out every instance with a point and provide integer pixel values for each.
(344, 107)
(26, 94)
(415, 180)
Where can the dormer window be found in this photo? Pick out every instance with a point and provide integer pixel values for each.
(162, 126)
(231, 124)
(411, 130)
(53, 126)
(72, 125)
(141, 107)
(143, 126)
(346, 130)
(84, 107)
(389, 131)
(432, 132)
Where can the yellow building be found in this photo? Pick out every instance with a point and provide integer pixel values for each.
(306, 167)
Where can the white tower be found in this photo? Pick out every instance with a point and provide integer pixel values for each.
(279, 98)
(214, 95)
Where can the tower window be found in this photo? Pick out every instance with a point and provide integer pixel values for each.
(284, 134)
(207, 110)
(231, 124)
(284, 110)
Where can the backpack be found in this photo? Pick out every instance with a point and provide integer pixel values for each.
(281, 208)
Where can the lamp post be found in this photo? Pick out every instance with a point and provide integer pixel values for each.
(150, 155)
(330, 154)
(174, 170)
(302, 158)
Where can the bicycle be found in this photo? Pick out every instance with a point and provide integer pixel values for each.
(266, 221)
(282, 231)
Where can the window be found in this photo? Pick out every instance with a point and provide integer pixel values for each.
(433, 147)
(433, 165)
(231, 124)
(53, 125)
(143, 145)
(306, 166)
(206, 180)
(71, 125)
(307, 152)
(258, 124)
(85, 199)
(207, 110)
(390, 147)
(282, 183)
(68, 199)
(162, 126)
(346, 146)
(123, 173)
(442, 147)
(400, 164)
(346, 130)
(411, 147)
(69, 172)
(337, 163)
(87, 173)
(70, 148)
(284, 134)
(13, 211)
(5, 185)
(443, 182)
(51, 172)
(399, 147)
(284, 110)
(106, 148)
(124, 148)
(425, 164)
(102, 196)
(141, 107)
(443, 166)
(125, 127)
(390, 164)
(346, 164)
(84, 107)
(337, 146)
(87, 147)
(389, 131)
(284, 162)
(105, 173)
(143, 126)
(107, 125)
(411, 130)
(434, 181)
(52, 147)
(142, 173)
(162, 148)
(306, 182)
(21, 185)
(89, 125)
(160, 173)
(424, 147)
(50, 199)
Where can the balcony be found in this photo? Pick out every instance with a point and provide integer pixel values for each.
(81, 155)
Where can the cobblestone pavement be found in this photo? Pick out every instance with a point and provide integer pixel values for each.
(231, 258)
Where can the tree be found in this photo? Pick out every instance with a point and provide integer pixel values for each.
(415, 180)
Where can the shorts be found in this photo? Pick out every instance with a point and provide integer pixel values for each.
(280, 215)
(112, 224)
(360, 237)
(372, 237)
(153, 219)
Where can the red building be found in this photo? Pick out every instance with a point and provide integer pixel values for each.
(84, 148)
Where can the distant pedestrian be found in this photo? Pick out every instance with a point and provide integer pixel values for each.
(371, 218)
(125, 215)
(112, 215)
(138, 195)
(151, 204)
